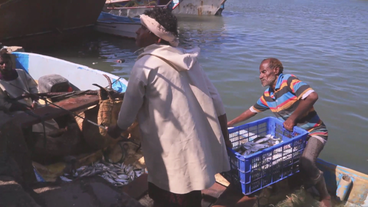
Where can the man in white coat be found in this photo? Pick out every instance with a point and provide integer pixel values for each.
(181, 116)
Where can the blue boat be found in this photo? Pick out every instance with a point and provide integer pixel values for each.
(346, 184)
(347, 187)
(117, 25)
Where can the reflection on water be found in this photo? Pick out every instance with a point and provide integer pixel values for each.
(324, 43)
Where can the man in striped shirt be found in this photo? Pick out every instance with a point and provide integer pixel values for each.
(292, 100)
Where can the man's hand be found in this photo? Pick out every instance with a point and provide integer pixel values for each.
(229, 144)
(34, 105)
(114, 131)
(229, 124)
(31, 96)
(289, 124)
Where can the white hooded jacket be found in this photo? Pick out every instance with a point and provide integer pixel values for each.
(177, 108)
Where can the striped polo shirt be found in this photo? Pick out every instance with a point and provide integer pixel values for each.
(289, 90)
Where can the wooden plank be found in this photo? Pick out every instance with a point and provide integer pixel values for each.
(220, 179)
(49, 112)
(232, 197)
(138, 187)
(214, 192)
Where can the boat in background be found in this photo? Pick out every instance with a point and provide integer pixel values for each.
(134, 8)
(80, 77)
(117, 25)
(46, 22)
(201, 7)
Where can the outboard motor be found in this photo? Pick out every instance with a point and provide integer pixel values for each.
(56, 83)
(53, 83)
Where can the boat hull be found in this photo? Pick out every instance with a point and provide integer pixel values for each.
(80, 76)
(117, 25)
(126, 12)
(118, 29)
(200, 8)
(23, 19)
(356, 194)
(289, 191)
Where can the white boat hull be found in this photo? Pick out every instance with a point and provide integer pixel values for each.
(199, 7)
(80, 76)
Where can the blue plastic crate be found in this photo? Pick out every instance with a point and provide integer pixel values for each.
(261, 169)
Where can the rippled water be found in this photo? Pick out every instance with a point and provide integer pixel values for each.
(324, 43)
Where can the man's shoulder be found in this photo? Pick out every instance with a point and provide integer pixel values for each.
(267, 92)
(289, 76)
(20, 71)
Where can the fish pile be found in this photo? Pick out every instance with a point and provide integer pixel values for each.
(256, 144)
(247, 143)
(118, 174)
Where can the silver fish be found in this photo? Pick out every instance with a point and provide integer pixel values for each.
(65, 179)
(118, 174)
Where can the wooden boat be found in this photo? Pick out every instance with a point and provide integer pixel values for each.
(134, 8)
(46, 22)
(90, 87)
(80, 76)
(290, 193)
(117, 25)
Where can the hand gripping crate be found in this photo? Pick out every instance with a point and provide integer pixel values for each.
(268, 166)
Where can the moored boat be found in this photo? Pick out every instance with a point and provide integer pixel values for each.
(117, 25)
(80, 76)
(80, 140)
(134, 8)
(200, 8)
(347, 187)
(46, 22)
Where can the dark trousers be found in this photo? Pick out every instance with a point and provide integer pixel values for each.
(163, 198)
